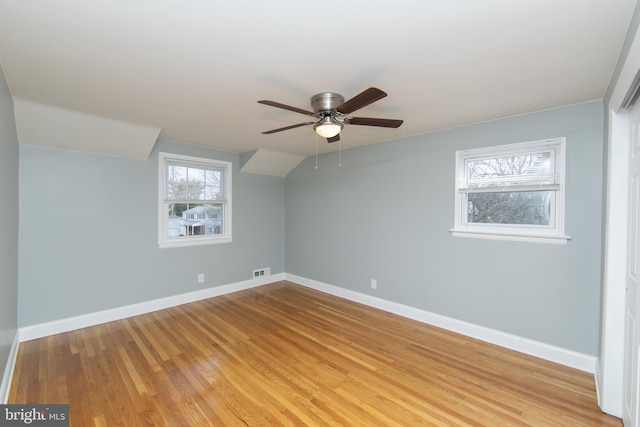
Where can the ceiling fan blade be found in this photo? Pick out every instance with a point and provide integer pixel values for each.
(287, 128)
(334, 138)
(361, 100)
(286, 107)
(368, 121)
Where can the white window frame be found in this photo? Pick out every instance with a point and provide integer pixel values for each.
(553, 233)
(164, 241)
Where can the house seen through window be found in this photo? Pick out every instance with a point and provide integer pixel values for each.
(194, 201)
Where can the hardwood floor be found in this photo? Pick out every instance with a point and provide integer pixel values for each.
(282, 354)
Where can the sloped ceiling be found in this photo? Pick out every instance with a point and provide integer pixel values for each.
(193, 70)
(55, 127)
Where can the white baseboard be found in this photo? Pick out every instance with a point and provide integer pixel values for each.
(598, 379)
(548, 352)
(77, 322)
(544, 351)
(5, 385)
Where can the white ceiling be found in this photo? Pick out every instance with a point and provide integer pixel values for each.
(194, 69)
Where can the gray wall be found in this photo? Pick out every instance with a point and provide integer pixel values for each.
(88, 233)
(8, 223)
(88, 227)
(386, 214)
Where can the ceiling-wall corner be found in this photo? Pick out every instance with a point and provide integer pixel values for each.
(269, 162)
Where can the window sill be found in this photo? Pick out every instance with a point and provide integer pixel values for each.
(194, 242)
(556, 240)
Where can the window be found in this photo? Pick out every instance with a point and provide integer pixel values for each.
(513, 192)
(194, 206)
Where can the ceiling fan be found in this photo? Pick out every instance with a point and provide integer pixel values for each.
(332, 113)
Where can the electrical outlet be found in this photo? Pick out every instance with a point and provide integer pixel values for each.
(201, 278)
(374, 284)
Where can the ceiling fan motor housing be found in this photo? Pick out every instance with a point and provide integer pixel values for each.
(326, 102)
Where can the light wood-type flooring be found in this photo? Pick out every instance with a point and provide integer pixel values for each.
(282, 354)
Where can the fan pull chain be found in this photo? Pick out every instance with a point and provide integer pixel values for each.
(316, 152)
(340, 154)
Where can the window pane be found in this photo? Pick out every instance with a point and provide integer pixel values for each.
(191, 183)
(175, 224)
(212, 184)
(518, 169)
(522, 208)
(195, 183)
(176, 182)
(192, 219)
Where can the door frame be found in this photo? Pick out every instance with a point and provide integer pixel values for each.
(609, 369)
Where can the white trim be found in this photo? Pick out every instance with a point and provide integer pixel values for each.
(627, 74)
(544, 351)
(522, 232)
(163, 240)
(610, 376)
(5, 386)
(558, 240)
(196, 241)
(583, 362)
(598, 379)
(77, 322)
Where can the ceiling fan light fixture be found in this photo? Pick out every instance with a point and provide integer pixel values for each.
(332, 112)
(328, 128)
